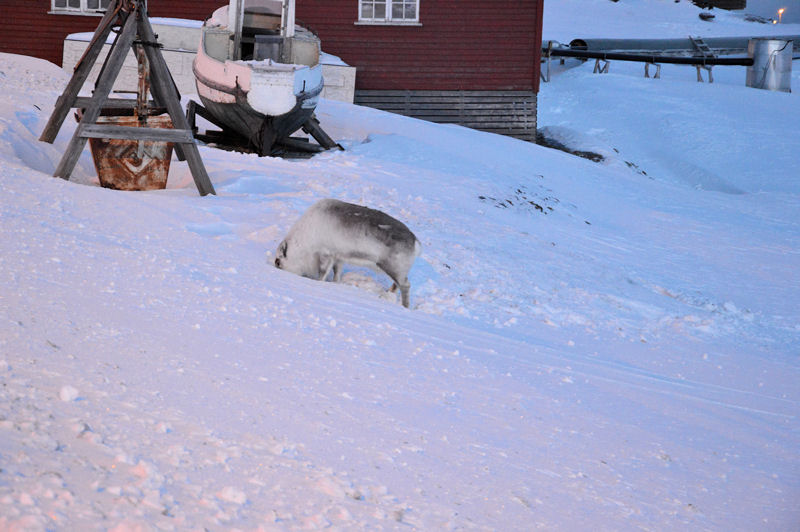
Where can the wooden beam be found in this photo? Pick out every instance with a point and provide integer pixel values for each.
(81, 102)
(164, 92)
(163, 88)
(66, 100)
(312, 127)
(203, 112)
(108, 131)
(113, 65)
(300, 145)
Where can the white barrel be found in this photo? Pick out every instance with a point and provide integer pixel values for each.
(772, 64)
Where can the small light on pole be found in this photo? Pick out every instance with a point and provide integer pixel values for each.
(780, 14)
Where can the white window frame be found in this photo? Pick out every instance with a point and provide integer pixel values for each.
(388, 19)
(84, 8)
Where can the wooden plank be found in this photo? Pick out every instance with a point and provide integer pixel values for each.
(300, 145)
(79, 77)
(432, 103)
(203, 112)
(428, 94)
(164, 92)
(82, 102)
(467, 104)
(312, 127)
(485, 122)
(136, 133)
(509, 110)
(510, 113)
(106, 80)
(496, 125)
(445, 96)
(475, 108)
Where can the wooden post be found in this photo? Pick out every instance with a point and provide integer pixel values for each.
(115, 59)
(134, 23)
(235, 21)
(164, 90)
(312, 127)
(82, 70)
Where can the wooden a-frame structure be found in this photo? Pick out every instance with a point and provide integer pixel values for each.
(135, 31)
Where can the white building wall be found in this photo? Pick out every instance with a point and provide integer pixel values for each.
(179, 39)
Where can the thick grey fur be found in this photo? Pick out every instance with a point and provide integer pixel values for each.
(332, 232)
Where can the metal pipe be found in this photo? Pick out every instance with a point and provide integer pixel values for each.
(651, 58)
(718, 44)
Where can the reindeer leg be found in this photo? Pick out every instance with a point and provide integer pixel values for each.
(326, 263)
(405, 288)
(337, 271)
(403, 285)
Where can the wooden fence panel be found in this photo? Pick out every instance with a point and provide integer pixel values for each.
(511, 113)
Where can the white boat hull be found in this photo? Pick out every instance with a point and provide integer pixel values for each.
(262, 100)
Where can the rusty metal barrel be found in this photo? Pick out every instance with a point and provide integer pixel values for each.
(124, 164)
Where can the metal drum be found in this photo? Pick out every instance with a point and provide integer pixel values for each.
(772, 64)
(124, 164)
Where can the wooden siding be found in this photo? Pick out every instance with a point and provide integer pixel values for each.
(510, 113)
(471, 62)
(460, 45)
(30, 29)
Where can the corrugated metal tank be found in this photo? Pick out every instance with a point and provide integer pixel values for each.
(772, 64)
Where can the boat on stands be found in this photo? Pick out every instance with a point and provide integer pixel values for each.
(257, 73)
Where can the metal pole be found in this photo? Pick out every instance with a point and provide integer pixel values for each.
(235, 21)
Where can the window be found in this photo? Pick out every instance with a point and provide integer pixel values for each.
(388, 11)
(88, 7)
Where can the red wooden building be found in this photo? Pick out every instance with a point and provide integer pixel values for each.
(473, 62)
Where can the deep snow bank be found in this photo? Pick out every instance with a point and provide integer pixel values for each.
(603, 345)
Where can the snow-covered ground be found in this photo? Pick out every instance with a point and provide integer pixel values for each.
(565, 20)
(610, 345)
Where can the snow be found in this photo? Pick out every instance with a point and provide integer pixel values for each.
(604, 344)
(565, 20)
(155, 21)
(179, 22)
(330, 59)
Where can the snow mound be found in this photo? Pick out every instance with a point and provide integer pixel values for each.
(607, 343)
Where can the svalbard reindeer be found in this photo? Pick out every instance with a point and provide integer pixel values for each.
(332, 232)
